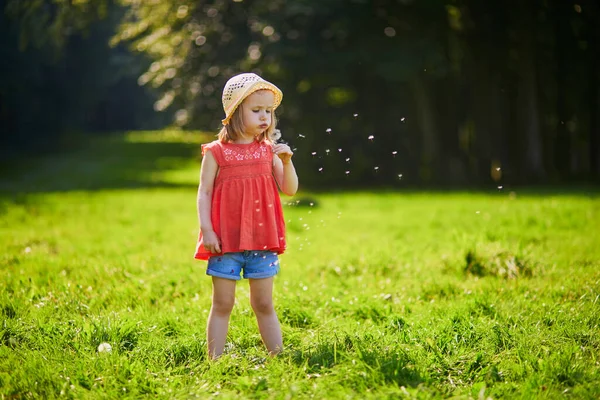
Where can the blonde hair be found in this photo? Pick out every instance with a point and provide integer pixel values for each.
(235, 128)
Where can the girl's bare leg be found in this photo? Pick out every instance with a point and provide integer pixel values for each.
(223, 299)
(261, 299)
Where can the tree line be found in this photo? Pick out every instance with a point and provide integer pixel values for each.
(375, 91)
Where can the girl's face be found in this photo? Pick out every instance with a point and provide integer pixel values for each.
(257, 112)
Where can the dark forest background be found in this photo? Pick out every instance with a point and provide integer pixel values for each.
(433, 92)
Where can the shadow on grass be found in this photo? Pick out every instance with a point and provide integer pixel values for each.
(358, 356)
(119, 161)
(144, 159)
(569, 189)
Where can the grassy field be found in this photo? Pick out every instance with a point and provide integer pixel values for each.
(381, 295)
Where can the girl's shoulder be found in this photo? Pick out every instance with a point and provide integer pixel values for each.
(216, 149)
(212, 146)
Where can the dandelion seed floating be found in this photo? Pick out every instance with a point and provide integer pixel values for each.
(301, 136)
(340, 150)
(399, 176)
(321, 169)
(314, 153)
(347, 172)
(376, 168)
(328, 130)
(499, 187)
(394, 153)
(371, 137)
(355, 115)
(327, 151)
(402, 119)
(348, 159)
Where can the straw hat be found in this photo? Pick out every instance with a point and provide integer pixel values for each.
(241, 86)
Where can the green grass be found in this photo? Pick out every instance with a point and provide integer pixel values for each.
(381, 295)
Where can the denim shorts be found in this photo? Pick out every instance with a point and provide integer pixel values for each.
(256, 264)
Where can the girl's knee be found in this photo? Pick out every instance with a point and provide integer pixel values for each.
(262, 305)
(223, 306)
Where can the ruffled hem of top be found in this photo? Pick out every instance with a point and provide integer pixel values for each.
(205, 255)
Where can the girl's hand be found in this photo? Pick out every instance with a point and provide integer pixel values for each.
(211, 242)
(284, 152)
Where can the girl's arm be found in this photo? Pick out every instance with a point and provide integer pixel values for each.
(208, 173)
(283, 169)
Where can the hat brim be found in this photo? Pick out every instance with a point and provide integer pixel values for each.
(260, 85)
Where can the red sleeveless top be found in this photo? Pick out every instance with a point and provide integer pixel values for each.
(246, 210)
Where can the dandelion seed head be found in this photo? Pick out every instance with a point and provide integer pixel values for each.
(104, 348)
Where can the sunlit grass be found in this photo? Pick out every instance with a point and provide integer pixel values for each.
(416, 295)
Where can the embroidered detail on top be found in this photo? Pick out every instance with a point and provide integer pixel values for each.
(244, 154)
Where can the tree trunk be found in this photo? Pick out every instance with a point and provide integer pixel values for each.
(486, 108)
(594, 88)
(562, 144)
(486, 45)
(594, 102)
(429, 134)
(529, 120)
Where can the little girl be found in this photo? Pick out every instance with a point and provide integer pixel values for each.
(241, 219)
